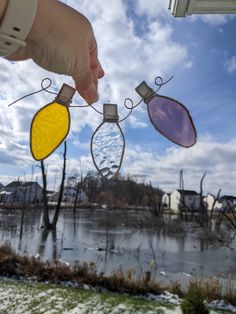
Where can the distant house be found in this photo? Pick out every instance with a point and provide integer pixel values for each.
(228, 201)
(50, 194)
(6, 197)
(209, 201)
(222, 204)
(1, 186)
(190, 198)
(166, 200)
(18, 191)
(69, 195)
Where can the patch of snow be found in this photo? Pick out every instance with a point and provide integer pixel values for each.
(22, 299)
(222, 305)
(177, 310)
(165, 296)
(186, 274)
(63, 262)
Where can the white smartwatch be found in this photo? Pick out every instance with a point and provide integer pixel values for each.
(16, 25)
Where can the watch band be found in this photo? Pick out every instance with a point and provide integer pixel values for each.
(16, 25)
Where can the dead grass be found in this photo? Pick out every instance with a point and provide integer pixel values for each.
(166, 225)
(14, 265)
(213, 290)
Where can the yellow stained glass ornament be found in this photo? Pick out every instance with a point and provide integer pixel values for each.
(51, 124)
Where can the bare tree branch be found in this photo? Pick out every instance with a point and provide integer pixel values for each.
(216, 199)
(203, 209)
(45, 201)
(56, 214)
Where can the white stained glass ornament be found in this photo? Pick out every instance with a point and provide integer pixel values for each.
(108, 143)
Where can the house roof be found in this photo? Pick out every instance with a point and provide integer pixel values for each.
(14, 184)
(228, 198)
(187, 192)
(50, 192)
(28, 183)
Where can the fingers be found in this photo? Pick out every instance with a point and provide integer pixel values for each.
(101, 72)
(87, 86)
(95, 64)
(84, 81)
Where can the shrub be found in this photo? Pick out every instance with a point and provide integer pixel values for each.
(193, 302)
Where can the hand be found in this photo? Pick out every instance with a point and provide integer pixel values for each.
(62, 41)
(3, 4)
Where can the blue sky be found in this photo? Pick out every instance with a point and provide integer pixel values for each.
(139, 41)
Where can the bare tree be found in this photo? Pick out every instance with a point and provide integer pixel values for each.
(224, 213)
(56, 214)
(79, 188)
(155, 202)
(45, 200)
(202, 207)
(46, 219)
(24, 192)
(183, 207)
(216, 199)
(32, 178)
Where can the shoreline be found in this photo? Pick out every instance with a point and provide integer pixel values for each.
(34, 270)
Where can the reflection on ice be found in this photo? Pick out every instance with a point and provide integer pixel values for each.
(104, 238)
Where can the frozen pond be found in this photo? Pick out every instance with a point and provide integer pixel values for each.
(101, 237)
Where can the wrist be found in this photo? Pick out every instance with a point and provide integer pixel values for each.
(3, 5)
(43, 18)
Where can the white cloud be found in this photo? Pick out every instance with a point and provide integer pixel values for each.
(231, 64)
(136, 123)
(188, 65)
(216, 19)
(153, 8)
(218, 160)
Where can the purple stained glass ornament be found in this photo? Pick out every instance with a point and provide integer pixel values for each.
(172, 119)
(169, 117)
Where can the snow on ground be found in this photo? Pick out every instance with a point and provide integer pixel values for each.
(23, 298)
(28, 299)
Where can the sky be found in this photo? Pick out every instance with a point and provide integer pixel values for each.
(137, 41)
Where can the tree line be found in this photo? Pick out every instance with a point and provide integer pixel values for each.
(119, 192)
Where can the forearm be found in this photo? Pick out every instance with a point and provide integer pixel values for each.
(42, 19)
(51, 16)
(3, 5)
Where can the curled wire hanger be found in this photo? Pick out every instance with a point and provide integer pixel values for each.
(133, 106)
(130, 108)
(43, 88)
